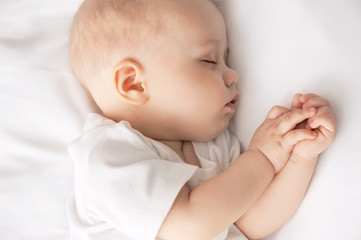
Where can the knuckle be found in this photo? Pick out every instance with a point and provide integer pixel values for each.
(312, 95)
(288, 117)
(281, 108)
(278, 127)
(276, 108)
(327, 103)
(324, 110)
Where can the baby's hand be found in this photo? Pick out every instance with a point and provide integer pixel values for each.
(277, 136)
(323, 123)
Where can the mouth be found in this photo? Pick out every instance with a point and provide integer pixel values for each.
(233, 103)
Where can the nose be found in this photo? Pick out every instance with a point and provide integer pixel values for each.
(230, 77)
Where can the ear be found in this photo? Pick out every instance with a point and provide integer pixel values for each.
(129, 82)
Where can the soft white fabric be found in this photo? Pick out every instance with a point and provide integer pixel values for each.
(282, 47)
(279, 47)
(125, 183)
(42, 109)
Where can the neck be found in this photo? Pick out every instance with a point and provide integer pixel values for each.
(176, 146)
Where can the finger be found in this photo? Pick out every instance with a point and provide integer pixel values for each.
(296, 103)
(322, 112)
(316, 102)
(297, 135)
(276, 112)
(308, 96)
(291, 119)
(324, 118)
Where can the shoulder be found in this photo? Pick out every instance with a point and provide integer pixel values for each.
(103, 140)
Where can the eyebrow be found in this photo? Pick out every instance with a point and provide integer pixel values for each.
(216, 43)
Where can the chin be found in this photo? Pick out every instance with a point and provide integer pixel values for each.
(209, 134)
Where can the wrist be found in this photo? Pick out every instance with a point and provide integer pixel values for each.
(257, 154)
(303, 160)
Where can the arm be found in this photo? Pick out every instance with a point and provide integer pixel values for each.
(279, 202)
(284, 195)
(217, 203)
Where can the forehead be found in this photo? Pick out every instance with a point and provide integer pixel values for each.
(196, 21)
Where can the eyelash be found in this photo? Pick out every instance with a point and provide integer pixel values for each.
(209, 61)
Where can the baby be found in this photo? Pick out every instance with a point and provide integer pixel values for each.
(160, 162)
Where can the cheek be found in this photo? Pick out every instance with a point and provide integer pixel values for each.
(206, 80)
(191, 87)
(212, 89)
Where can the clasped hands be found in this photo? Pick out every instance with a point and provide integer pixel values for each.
(299, 134)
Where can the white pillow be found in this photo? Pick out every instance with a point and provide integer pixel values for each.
(284, 47)
(43, 109)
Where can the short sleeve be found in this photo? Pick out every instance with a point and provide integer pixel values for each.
(121, 181)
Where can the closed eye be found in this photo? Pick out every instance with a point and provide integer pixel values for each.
(209, 61)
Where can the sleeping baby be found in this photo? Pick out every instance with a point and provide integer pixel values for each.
(159, 162)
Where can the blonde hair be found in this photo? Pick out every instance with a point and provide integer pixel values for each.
(104, 31)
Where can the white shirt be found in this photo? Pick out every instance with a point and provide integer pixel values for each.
(126, 183)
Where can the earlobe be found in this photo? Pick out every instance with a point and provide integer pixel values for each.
(129, 82)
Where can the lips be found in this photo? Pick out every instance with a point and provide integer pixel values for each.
(233, 103)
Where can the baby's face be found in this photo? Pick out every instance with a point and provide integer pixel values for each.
(189, 84)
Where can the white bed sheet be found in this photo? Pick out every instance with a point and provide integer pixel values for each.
(278, 47)
(283, 47)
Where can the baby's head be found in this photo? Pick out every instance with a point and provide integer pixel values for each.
(158, 64)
